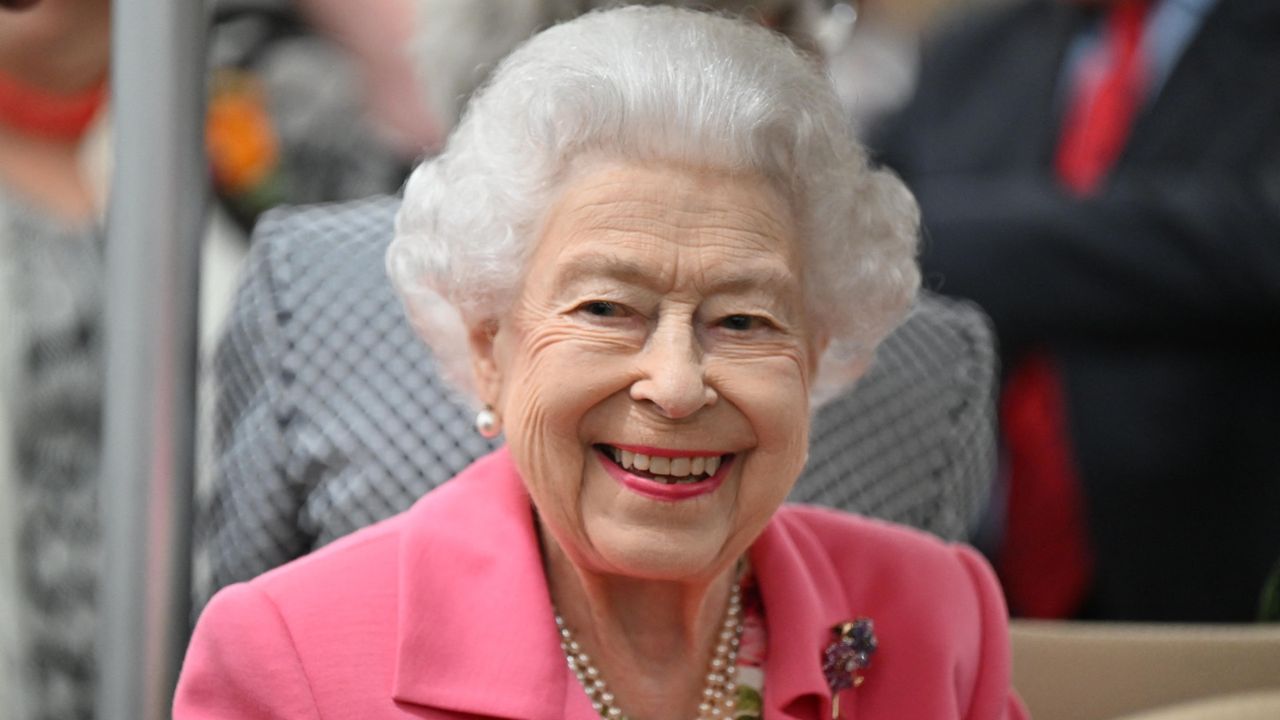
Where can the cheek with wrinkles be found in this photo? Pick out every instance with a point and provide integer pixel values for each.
(528, 430)
(771, 469)
(533, 387)
(577, 373)
(780, 359)
(774, 395)
(758, 371)
(549, 459)
(582, 338)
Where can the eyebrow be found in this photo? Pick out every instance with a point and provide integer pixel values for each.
(595, 265)
(739, 279)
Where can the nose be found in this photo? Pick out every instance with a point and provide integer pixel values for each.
(672, 378)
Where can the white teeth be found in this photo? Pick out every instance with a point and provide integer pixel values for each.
(680, 469)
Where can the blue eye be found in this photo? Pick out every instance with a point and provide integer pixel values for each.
(602, 308)
(740, 323)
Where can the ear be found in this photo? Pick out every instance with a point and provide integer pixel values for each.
(485, 365)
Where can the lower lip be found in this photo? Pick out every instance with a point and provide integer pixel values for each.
(661, 491)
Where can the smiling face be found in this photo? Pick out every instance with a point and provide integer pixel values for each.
(653, 372)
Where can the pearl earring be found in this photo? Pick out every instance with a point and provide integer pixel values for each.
(487, 423)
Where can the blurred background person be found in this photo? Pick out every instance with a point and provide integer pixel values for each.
(53, 73)
(1104, 179)
(54, 164)
(324, 100)
(314, 101)
(872, 49)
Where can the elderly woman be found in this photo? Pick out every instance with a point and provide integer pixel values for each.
(648, 249)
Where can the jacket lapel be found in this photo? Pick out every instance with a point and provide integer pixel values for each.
(476, 631)
(803, 600)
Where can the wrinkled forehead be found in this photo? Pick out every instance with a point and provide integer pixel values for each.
(639, 224)
(620, 203)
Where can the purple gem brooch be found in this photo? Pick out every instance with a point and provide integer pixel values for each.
(851, 650)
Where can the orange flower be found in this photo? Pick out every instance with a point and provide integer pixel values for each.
(241, 142)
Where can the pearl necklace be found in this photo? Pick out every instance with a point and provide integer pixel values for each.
(719, 695)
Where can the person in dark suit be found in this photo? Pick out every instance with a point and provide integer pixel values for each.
(1152, 287)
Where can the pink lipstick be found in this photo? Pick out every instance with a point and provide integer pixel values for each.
(658, 490)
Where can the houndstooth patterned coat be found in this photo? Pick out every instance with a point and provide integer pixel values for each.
(331, 416)
(50, 325)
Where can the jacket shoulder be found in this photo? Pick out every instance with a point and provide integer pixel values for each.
(320, 227)
(894, 569)
(306, 639)
(875, 540)
(938, 611)
(362, 570)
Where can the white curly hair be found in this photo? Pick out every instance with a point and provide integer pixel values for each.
(653, 84)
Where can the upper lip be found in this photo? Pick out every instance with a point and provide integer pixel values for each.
(667, 452)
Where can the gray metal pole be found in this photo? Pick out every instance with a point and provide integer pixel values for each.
(154, 227)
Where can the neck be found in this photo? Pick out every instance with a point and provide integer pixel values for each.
(47, 173)
(652, 640)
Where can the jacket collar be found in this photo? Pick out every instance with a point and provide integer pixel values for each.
(490, 646)
(487, 646)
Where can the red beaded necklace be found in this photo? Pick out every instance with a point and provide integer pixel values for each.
(41, 113)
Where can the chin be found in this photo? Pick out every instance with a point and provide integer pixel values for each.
(661, 553)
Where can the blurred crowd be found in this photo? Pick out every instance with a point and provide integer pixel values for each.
(1101, 176)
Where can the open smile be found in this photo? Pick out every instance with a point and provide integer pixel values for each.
(665, 474)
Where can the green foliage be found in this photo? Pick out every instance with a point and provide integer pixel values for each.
(750, 705)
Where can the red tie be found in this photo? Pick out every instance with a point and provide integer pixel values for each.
(1108, 93)
(1046, 561)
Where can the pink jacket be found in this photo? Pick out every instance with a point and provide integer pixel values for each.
(443, 612)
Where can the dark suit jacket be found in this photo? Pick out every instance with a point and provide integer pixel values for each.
(1159, 295)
